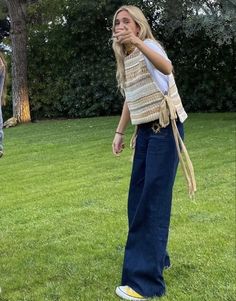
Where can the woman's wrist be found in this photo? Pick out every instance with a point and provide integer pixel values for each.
(119, 133)
(138, 43)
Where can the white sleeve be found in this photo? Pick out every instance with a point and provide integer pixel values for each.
(156, 47)
(161, 80)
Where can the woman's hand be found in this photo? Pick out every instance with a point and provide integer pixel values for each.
(126, 36)
(118, 144)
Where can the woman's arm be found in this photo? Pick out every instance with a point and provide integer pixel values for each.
(124, 119)
(118, 142)
(160, 63)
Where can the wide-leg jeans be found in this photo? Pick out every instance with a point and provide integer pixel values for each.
(149, 208)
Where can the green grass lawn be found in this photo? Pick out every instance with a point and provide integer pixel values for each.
(63, 222)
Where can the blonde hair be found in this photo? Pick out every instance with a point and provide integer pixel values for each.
(144, 33)
(3, 66)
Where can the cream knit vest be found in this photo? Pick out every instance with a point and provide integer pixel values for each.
(142, 95)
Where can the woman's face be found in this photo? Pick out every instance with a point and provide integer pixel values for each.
(123, 18)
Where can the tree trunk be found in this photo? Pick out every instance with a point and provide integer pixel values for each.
(18, 34)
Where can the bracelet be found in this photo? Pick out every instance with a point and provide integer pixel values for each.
(122, 134)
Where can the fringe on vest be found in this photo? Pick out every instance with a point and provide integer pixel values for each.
(168, 112)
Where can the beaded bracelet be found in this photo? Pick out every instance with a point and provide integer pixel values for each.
(122, 134)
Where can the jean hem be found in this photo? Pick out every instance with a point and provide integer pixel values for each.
(130, 284)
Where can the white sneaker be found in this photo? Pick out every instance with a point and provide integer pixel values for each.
(127, 293)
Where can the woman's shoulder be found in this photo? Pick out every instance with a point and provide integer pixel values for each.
(153, 42)
(155, 45)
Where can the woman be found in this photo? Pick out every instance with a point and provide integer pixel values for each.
(2, 97)
(152, 103)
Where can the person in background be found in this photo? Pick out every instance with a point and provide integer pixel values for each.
(2, 97)
(153, 105)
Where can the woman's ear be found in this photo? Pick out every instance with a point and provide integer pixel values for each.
(138, 29)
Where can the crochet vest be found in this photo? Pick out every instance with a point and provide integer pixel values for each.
(143, 96)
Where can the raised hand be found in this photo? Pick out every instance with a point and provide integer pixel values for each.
(126, 36)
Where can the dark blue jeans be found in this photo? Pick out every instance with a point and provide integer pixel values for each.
(149, 208)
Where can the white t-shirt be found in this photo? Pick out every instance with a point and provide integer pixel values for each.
(160, 79)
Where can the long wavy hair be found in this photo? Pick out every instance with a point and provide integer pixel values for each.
(119, 50)
(3, 68)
